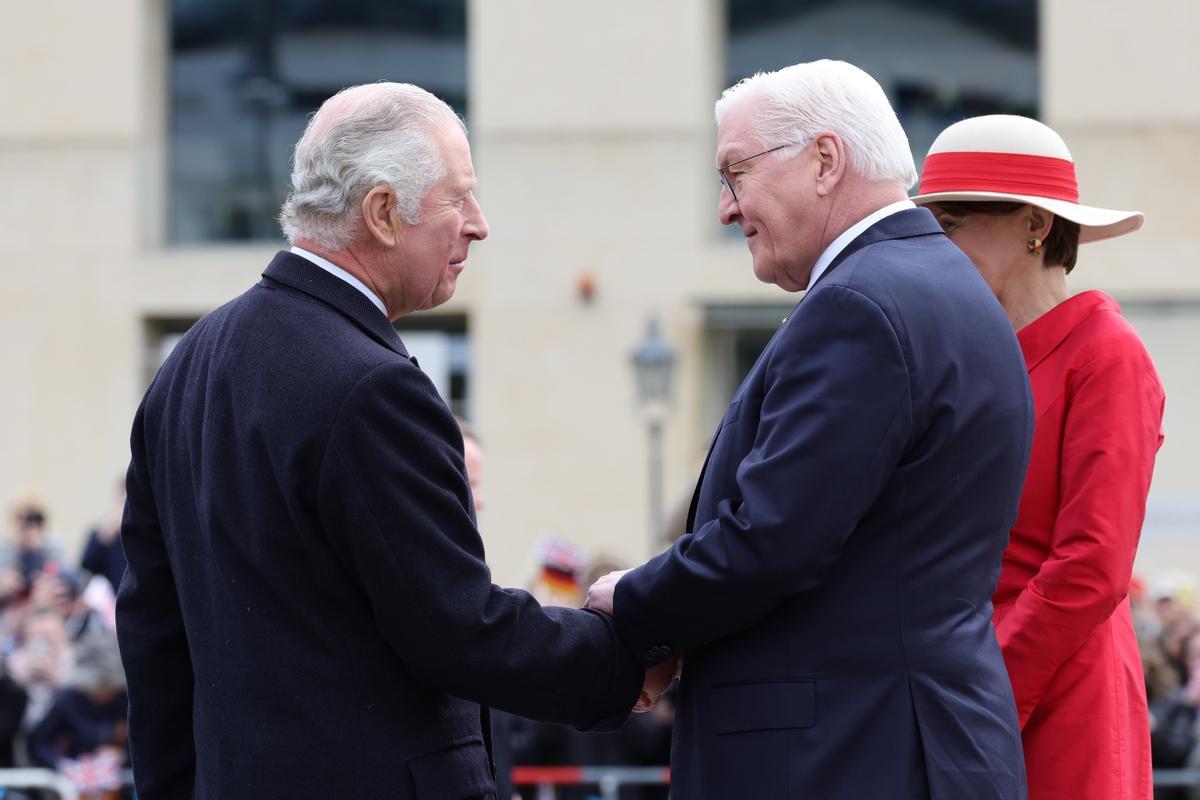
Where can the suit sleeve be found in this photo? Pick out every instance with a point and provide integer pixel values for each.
(835, 418)
(395, 502)
(1112, 432)
(154, 647)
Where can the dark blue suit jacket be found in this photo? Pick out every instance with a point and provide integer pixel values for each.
(834, 596)
(307, 612)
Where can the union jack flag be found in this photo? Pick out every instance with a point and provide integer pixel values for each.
(96, 773)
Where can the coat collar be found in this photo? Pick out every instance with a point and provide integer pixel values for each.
(301, 274)
(1041, 337)
(901, 225)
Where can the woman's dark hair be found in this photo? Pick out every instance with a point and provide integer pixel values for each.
(1061, 245)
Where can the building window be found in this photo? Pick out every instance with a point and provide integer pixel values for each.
(442, 347)
(734, 337)
(159, 337)
(439, 343)
(938, 62)
(246, 76)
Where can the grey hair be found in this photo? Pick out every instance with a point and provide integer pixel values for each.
(803, 100)
(363, 137)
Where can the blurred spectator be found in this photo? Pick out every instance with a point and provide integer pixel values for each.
(83, 734)
(1161, 676)
(102, 554)
(58, 593)
(28, 551)
(473, 461)
(1145, 620)
(500, 722)
(40, 662)
(1173, 597)
(13, 701)
(1174, 729)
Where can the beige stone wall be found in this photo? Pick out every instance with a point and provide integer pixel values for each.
(1118, 85)
(593, 146)
(593, 140)
(72, 75)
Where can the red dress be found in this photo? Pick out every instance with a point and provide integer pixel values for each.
(1061, 605)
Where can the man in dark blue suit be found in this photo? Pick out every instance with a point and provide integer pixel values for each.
(307, 611)
(832, 599)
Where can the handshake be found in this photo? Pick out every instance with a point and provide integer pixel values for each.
(660, 676)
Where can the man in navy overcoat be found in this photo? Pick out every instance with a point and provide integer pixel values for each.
(307, 612)
(832, 599)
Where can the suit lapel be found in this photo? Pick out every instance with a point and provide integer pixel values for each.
(901, 225)
(691, 515)
(302, 275)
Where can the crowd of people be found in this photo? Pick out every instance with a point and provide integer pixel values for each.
(62, 687)
(62, 698)
(1168, 629)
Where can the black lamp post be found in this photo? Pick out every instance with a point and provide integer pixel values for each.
(653, 362)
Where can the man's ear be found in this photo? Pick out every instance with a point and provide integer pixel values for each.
(831, 161)
(378, 212)
(1040, 222)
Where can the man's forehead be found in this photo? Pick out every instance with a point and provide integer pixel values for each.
(456, 154)
(735, 135)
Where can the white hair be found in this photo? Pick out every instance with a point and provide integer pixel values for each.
(805, 99)
(363, 137)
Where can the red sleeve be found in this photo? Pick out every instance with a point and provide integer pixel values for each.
(1111, 433)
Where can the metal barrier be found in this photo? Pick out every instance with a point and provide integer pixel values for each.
(1176, 777)
(38, 779)
(609, 779)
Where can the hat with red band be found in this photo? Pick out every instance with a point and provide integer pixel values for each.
(1001, 157)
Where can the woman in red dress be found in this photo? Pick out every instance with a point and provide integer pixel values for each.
(1003, 189)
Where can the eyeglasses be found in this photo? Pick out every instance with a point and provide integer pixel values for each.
(722, 171)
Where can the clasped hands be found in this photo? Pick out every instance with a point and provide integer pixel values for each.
(659, 677)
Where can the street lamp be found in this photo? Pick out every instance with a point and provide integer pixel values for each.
(653, 361)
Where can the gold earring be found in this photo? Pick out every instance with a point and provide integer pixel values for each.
(1035, 245)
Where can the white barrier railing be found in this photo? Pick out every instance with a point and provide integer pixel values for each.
(608, 779)
(38, 779)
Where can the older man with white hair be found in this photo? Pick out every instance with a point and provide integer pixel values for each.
(307, 611)
(832, 597)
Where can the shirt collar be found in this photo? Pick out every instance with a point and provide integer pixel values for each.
(1042, 336)
(852, 233)
(335, 270)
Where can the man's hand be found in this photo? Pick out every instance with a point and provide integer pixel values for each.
(600, 593)
(659, 677)
(658, 680)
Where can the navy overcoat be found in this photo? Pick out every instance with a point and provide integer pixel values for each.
(307, 611)
(833, 599)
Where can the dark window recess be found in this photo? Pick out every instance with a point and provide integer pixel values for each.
(245, 77)
(939, 62)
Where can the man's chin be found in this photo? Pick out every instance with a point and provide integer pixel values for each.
(764, 271)
(442, 294)
(770, 273)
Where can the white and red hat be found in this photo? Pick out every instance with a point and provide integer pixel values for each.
(1002, 157)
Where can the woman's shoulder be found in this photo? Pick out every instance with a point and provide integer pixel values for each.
(1106, 336)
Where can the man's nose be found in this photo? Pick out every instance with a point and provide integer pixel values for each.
(477, 227)
(727, 207)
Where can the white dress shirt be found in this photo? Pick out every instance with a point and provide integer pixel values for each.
(334, 269)
(851, 233)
